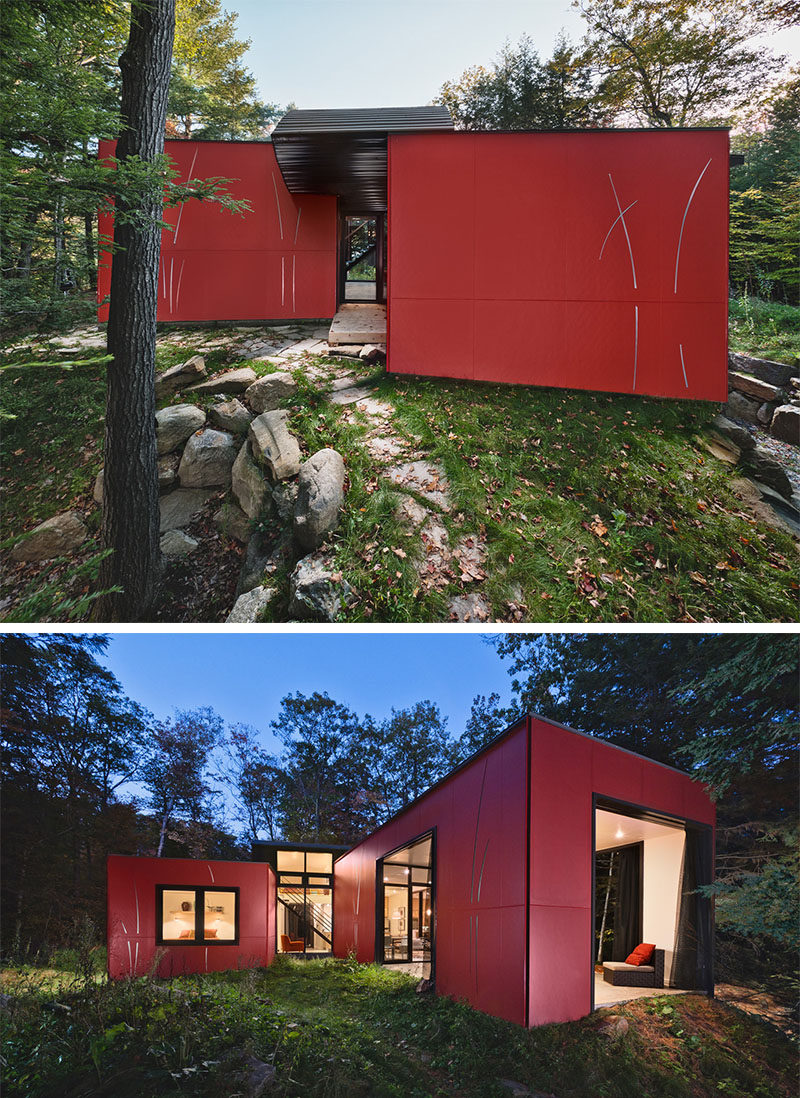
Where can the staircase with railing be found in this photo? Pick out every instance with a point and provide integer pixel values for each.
(312, 918)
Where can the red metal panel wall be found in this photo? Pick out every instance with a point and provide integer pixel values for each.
(276, 262)
(566, 769)
(132, 915)
(480, 816)
(508, 260)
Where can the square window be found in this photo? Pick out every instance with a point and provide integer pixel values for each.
(185, 916)
(290, 861)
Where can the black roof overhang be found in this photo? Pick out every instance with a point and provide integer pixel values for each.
(345, 153)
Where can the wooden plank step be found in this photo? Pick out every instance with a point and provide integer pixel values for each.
(358, 324)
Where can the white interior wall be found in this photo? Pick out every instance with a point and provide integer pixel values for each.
(661, 872)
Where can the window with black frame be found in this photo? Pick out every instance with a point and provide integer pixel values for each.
(406, 901)
(185, 916)
(305, 902)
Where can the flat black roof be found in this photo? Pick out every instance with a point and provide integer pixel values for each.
(344, 152)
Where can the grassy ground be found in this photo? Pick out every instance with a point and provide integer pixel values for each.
(592, 507)
(766, 329)
(341, 1029)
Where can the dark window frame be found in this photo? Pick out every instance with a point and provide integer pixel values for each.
(304, 886)
(380, 935)
(199, 915)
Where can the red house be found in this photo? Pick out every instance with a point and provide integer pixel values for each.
(485, 884)
(586, 259)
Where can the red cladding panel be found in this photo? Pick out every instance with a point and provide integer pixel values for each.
(480, 818)
(277, 261)
(566, 770)
(132, 949)
(583, 260)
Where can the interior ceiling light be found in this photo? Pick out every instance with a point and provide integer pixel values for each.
(620, 834)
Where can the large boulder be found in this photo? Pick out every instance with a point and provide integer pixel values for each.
(274, 445)
(167, 471)
(740, 435)
(233, 522)
(230, 415)
(248, 484)
(232, 381)
(316, 592)
(250, 606)
(754, 387)
(786, 423)
(320, 495)
(179, 508)
(175, 543)
(56, 537)
(207, 459)
(741, 407)
(774, 373)
(175, 424)
(763, 466)
(266, 394)
(178, 377)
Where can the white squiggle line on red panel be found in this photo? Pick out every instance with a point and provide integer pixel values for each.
(136, 897)
(616, 222)
(625, 227)
(211, 871)
(124, 928)
(130, 959)
(206, 958)
(685, 212)
(683, 367)
(178, 290)
(278, 204)
(297, 226)
(283, 280)
(171, 270)
(136, 962)
(180, 208)
(294, 310)
(635, 342)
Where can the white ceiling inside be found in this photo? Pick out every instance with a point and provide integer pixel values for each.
(613, 829)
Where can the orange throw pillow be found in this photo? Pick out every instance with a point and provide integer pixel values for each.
(642, 955)
(210, 932)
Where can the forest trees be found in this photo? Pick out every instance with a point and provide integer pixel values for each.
(212, 95)
(521, 92)
(675, 63)
(59, 96)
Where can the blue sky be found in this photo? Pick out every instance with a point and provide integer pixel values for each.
(244, 675)
(384, 53)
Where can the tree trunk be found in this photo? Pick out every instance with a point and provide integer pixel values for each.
(58, 242)
(605, 908)
(130, 496)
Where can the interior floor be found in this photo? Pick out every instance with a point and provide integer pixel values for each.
(609, 995)
(359, 291)
(420, 969)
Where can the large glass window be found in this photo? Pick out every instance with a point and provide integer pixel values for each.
(406, 877)
(305, 902)
(187, 915)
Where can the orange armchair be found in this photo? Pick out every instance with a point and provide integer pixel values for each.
(291, 945)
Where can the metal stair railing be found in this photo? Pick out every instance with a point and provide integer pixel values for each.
(315, 919)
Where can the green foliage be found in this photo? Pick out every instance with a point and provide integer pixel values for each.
(676, 63)
(342, 1030)
(764, 903)
(521, 92)
(212, 95)
(765, 329)
(765, 198)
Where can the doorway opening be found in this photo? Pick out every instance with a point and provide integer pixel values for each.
(362, 267)
(647, 869)
(406, 906)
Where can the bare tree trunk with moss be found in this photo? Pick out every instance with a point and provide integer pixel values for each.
(130, 491)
